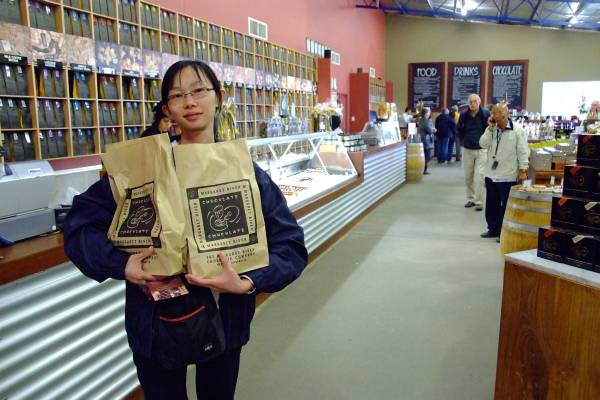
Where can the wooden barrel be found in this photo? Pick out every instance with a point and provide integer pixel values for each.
(525, 213)
(415, 162)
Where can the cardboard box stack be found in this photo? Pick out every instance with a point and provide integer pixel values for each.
(574, 235)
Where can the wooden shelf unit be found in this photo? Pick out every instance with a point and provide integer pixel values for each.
(144, 25)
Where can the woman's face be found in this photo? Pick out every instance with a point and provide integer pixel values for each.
(190, 105)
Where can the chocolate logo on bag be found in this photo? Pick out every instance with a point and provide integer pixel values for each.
(223, 216)
(139, 225)
(140, 217)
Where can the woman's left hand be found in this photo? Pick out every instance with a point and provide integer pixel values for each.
(228, 281)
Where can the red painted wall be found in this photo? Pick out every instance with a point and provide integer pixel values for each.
(357, 34)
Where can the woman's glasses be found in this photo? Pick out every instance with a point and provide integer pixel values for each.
(177, 99)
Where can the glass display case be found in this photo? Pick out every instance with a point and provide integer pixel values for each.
(304, 166)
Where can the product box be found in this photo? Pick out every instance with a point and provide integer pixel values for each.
(580, 181)
(590, 218)
(125, 9)
(51, 143)
(588, 150)
(49, 114)
(68, 21)
(44, 147)
(77, 114)
(137, 115)
(20, 146)
(99, 6)
(59, 85)
(88, 114)
(2, 78)
(10, 11)
(85, 25)
(75, 23)
(21, 80)
(110, 31)
(13, 113)
(59, 114)
(10, 83)
(110, 8)
(4, 121)
(24, 114)
(114, 117)
(135, 40)
(550, 244)
(105, 137)
(61, 144)
(128, 114)
(104, 114)
(580, 250)
(90, 145)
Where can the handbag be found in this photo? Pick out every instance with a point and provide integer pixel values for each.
(188, 329)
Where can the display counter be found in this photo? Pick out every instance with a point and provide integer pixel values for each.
(63, 334)
(548, 346)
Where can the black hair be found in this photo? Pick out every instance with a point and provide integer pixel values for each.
(407, 109)
(200, 68)
(158, 115)
(336, 121)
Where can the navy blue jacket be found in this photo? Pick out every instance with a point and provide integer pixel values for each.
(86, 244)
(472, 142)
(445, 126)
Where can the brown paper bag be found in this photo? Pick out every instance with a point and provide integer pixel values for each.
(223, 207)
(148, 198)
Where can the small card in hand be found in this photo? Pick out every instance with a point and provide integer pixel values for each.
(167, 288)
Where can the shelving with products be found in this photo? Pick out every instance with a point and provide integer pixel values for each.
(84, 126)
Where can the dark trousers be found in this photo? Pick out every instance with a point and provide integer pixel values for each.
(495, 203)
(450, 148)
(215, 379)
(442, 155)
(427, 153)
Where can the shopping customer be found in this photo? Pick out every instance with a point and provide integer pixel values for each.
(191, 95)
(426, 131)
(454, 144)
(507, 162)
(160, 123)
(444, 130)
(471, 125)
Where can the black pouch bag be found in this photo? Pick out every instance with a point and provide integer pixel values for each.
(188, 329)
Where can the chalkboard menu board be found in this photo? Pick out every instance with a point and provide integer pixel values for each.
(464, 79)
(426, 82)
(508, 81)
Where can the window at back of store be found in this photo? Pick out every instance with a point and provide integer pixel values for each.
(565, 98)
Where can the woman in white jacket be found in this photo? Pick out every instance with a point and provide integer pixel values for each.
(507, 163)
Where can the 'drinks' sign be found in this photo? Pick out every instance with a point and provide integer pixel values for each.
(464, 79)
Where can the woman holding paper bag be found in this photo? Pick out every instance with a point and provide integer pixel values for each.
(191, 96)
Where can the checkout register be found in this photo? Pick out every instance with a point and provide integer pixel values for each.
(26, 190)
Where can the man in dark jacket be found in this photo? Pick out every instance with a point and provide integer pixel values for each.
(471, 125)
(445, 128)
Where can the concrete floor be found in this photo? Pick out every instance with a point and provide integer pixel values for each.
(405, 306)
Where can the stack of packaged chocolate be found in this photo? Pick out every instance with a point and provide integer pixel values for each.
(576, 215)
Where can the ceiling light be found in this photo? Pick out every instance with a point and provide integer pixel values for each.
(569, 25)
(573, 20)
(463, 11)
(574, 6)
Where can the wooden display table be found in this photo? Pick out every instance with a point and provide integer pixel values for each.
(543, 177)
(549, 345)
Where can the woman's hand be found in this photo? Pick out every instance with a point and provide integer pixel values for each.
(134, 270)
(228, 281)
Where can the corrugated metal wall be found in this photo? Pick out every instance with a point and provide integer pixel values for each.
(62, 336)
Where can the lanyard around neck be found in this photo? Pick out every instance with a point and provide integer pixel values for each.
(498, 139)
